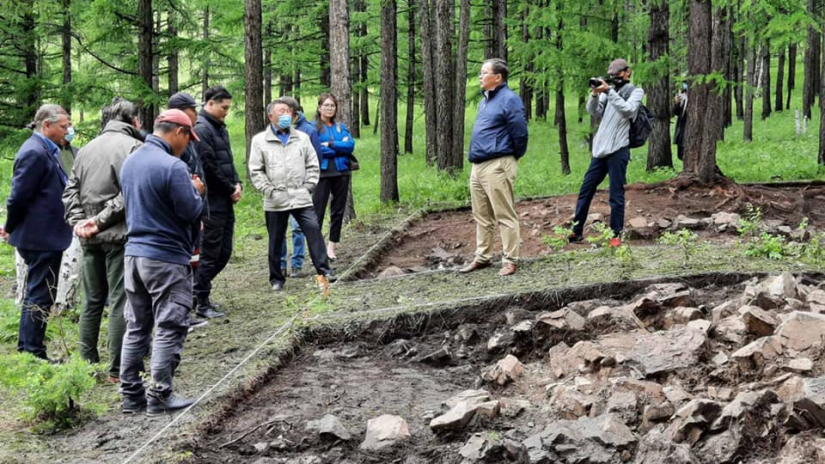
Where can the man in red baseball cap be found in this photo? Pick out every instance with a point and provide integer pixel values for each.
(163, 212)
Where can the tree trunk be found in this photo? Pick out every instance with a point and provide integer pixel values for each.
(268, 66)
(821, 156)
(748, 128)
(428, 80)
(156, 59)
(172, 58)
(766, 80)
(324, 64)
(713, 126)
(410, 116)
(740, 73)
(445, 84)
(699, 54)
(461, 82)
(389, 96)
(499, 33)
(66, 37)
(780, 81)
(297, 80)
(659, 152)
(791, 73)
(524, 85)
(363, 67)
(811, 64)
(31, 61)
(253, 91)
(355, 127)
(340, 83)
(145, 38)
(205, 71)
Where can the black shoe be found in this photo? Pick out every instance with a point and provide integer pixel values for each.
(296, 273)
(278, 286)
(195, 322)
(575, 238)
(133, 405)
(331, 277)
(208, 310)
(158, 406)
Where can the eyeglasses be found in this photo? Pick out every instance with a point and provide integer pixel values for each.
(328, 106)
(482, 73)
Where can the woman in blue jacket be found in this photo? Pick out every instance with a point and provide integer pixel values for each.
(337, 146)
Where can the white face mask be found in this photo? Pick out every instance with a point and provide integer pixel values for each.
(70, 136)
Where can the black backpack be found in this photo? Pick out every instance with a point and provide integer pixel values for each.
(642, 126)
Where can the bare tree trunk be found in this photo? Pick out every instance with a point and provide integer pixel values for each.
(748, 128)
(428, 64)
(297, 80)
(461, 82)
(267, 66)
(499, 10)
(363, 67)
(324, 63)
(145, 53)
(253, 91)
(740, 70)
(659, 151)
(340, 84)
(66, 37)
(524, 85)
(31, 61)
(699, 54)
(172, 58)
(821, 155)
(780, 81)
(156, 58)
(389, 97)
(355, 128)
(766, 80)
(561, 119)
(791, 73)
(811, 64)
(205, 71)
(713, 112)
(410, 116)
(445, 85)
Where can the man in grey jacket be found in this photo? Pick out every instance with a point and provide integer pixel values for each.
(617, 106)
(94, 208)
(284, 167)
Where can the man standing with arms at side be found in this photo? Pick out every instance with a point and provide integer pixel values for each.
(163, 210)
(616, 106)
(34, 222)
(224, 191)
(94, 208)
(499, 139)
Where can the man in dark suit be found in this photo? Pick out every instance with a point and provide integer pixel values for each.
(34, 222)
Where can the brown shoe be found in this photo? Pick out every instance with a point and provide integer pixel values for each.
(474, 266)
(507, 269)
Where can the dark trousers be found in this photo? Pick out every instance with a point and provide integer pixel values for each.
(160, 299)
(276, 222)
(338, 186)
(615, 166)
(102, 280)
(43, 267)
(216, 248)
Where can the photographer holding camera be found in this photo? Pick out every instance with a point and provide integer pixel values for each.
(616, 101)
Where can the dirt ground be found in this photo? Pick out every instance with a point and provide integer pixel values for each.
(454, 232)
(366, 376)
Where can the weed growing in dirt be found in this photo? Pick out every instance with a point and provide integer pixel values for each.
(627, 259)
(50, 392)
(686, 240)
(602, 235)
(558, 240)
(750, 222)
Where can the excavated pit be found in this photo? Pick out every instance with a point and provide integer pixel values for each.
(715, 368)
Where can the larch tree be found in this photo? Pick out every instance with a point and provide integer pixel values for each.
(411, 78)
(254, 111)
(428, 68)
(659, 153)
(389, 102)
(460, 104)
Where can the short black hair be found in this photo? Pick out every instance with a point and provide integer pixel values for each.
(166, 127)
(499, 66)
(217, 93)
(123, 111)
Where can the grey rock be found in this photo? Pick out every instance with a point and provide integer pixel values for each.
(758, 321)
(802, 330)
(500, 341)
(720, 359)
(329, 427)
(385, 432)
(746, 406)
(512, 407)
(657, 448)
(402, 348)
(571, 403)
(504, 371)
(800, 365)
(755, 354)
(588, 439)
(515, 314)
(261, 447)
(460, 415)
(467, 333)
(668, 351)
(607, 318)
(624, 405)
(693, 419)
(439, 358)
(802, 449)
(489, 448)
(563, 319)
(469, 396)
(731, 329)
(391, 271)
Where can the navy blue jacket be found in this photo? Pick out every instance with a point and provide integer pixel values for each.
(163, 209)
(35, 205)
(501, 128)
(308, 128)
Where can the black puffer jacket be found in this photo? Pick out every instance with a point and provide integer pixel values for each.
(218, 164)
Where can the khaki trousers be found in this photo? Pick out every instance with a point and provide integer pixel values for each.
(491, 191)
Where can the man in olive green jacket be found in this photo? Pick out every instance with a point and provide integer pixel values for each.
(94, 208)
(284, 167)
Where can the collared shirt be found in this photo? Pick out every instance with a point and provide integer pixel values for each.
(54, 150)
(282, 136)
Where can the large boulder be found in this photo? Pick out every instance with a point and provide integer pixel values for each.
(490, 448)
(755, 354)
(662, 352)
(757, 321)
(385, 432)
(605, 318)
(802, 449)
(564, 319)
(802, 330)
(694, 419)
(589, 439)
(460, 415)
(731, 329)
(504, 371)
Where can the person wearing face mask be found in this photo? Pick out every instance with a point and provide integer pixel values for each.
(617, 106)
(284, 167)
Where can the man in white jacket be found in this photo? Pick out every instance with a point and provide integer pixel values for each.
(617, 106)
(284, 167)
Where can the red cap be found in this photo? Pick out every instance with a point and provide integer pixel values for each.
(180, 118)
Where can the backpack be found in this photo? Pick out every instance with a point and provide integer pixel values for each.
(642, 125)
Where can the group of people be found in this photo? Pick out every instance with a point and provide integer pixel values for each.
(154, 213)
(154, 217)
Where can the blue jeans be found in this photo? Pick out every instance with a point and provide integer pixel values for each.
(299, 245)
(43, 269)
(615, 166)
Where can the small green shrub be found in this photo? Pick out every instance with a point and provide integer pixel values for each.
(686, 240)
(767, 246)
(558, 240)
(602, 235)
(750, 222)
(50, 392)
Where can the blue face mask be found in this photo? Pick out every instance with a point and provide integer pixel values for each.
(70, 136)
(284, 121)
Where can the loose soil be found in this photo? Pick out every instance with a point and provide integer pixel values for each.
(454, 232)
(359, 373)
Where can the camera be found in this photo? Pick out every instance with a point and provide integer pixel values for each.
(597, 81)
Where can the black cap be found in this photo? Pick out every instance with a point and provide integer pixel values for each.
(181, 100)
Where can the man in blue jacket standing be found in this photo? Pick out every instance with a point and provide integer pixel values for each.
(499, 139)
(163, 211)
(34, 222)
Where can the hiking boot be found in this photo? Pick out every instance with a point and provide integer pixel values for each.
(133, 404)
(278, 286)
(195, 322)
(615, 242)
(157, 406)
(208, 310)
(575, 238)
(323, 284)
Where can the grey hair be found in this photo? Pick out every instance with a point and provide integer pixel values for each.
(499, 66)
(280, 101)
(48, 112)
(124, 111)
(292, 103)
